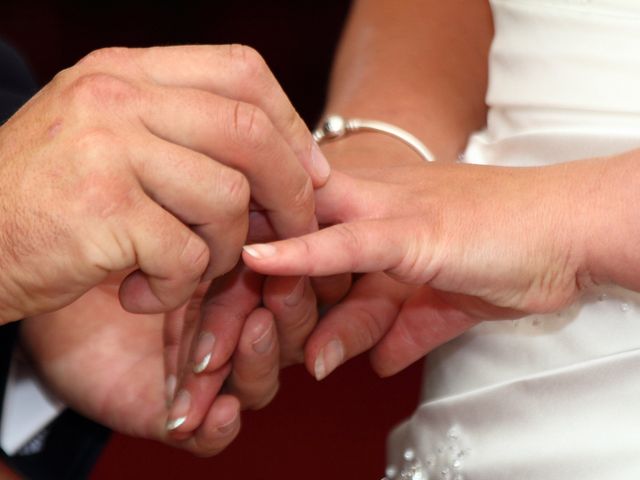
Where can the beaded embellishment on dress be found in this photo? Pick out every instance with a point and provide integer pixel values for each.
(446, 462)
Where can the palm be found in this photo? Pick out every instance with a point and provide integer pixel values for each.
(103, 361)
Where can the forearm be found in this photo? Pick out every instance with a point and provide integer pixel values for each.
(420, 64)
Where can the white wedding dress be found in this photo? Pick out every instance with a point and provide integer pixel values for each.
(554, 397)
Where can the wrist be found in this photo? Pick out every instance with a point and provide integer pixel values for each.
(368, 150)
(613, 226)
(446, 139)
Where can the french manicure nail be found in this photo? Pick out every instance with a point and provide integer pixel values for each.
(260, 250)
(329, 358)
(319, 162)
(296, 294)
(170, 388)
(264, 343)
(179, 410)
(203, 351)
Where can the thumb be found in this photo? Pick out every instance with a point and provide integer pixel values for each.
(345, 198)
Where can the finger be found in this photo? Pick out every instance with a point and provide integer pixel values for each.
(192, 401)
(234, 71)
(425, 322)
(171, 334)
(222, 316)
(241, 136)
(356, 324)
(293, 303)
(260, 229)
(171, 258)
(346, 199)
(220, 427)
(254, 379)
(210, 197)
(178, 330)
(366, 246)
(223, 313)
(330, 290)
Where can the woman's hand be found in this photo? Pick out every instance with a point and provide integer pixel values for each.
(471, 242)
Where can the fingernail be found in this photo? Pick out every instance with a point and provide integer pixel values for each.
(228, 426)
(319, 162)
(329, 358)
(296, 294)
(170, 388)
(179, 410)
(264, 342)
(203, 352)
(260, 250)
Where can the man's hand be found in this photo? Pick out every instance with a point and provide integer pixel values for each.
(146, 160)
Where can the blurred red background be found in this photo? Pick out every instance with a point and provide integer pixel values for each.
(335, 429)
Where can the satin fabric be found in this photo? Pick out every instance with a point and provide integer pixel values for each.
(551, 397)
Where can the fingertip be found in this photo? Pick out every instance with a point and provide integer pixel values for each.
(203, 351)
(219, 429)
(328, 359)
(379, 367)
(259, 333)
(227, 416)
(265, 343)
(320, 167)
(260, 251)
(137, 295)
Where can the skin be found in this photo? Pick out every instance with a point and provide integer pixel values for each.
(154, 154)
(537, 242)
(478, 243)
(108, 167)
(109, 365)
(452, 94)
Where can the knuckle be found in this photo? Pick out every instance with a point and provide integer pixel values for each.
(372, 329)
(96, 145)
(104, 56)
(251, 126)
(237, 192)
(98, 149)
(303, 199)
(103, 195)
(194, 255)
(416, 265)
(100, 88)
(222, 264)
(63, 77)
(351, 242)
(295, 126)
(247, 62)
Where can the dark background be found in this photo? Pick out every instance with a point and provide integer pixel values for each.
(332, 430)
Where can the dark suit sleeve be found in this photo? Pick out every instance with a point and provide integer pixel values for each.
(69, 447)
(16, 83)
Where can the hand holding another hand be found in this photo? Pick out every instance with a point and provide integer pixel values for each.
(146, 160)
(153, 154)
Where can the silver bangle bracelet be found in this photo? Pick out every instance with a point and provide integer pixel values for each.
(335, 127)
